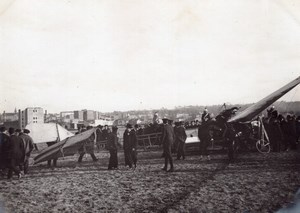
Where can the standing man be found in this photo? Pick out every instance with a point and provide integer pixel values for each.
(180, 138)
(205, 136)
(88, 147)
(15, 153)
(205, 116)
(28, 147)
(112, 146)
(275, 133)
(130, 145)
(155, 119)
(54, 160)
(167, 139)
(126, 146)
(4, 148)
(105, 132)
(133, 145)
(99, 136)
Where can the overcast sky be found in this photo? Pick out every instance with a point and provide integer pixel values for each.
(121, 55)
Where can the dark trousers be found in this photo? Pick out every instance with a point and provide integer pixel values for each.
(134, 157)
(49, 162)
(13, 167)
(113, 159)
(204, 142)
(291, 142)
(83, 153)
(128, 157)
(168, 157)
(25, 165)
(180, 151)
(275, 144)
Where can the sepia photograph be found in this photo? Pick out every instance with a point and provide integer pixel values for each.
(150, 106)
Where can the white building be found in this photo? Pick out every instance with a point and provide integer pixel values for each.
(32, 115)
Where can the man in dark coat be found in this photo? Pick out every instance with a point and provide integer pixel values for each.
(105, 132)
(99, 136)
(292, 136)
(112, 147)
(28, 147)
(180, 137)
(133, 144)
(275, 132)
(4, 148)
(16, 155)
(126, 145)
(167, 139)
(54, 160)
(129, 146)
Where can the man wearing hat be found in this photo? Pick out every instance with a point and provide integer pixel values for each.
(105, 132)
(88, 147)
(99, 136)
(28, 147)
(126, 145)
(133, 144)
(129, 146)
(15, 156)
(167, 139)
(180, 138)
(112, 147)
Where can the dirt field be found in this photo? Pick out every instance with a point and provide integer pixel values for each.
(254, 183)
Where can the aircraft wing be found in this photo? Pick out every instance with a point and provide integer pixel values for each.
(252, 111)
(50, 152)
(77, 141)
(66, 147)
(47, 132)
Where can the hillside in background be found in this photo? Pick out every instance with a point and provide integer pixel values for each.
(194, 111)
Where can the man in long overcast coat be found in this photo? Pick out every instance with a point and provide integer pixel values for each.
(28, 147)
(167, 139)
(129, 146)
(4, 148)
(16, 153)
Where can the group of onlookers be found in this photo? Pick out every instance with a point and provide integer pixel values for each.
(109, 137)
(15, 149)
(16, 146)
(283, 132)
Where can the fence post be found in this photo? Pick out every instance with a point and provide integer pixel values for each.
(144, 144)
(149, 138)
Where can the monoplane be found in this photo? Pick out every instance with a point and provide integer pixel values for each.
(233, 126)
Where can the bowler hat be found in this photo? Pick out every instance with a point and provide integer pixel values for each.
(26, 131)
(129, 125)
(11, 130)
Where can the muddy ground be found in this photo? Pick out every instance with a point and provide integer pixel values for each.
(253, 183)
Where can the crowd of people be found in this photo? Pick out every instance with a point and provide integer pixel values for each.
(109, 137)
(283, 132)
(16, 145)
(15, 149)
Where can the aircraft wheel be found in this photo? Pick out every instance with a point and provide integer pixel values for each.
(262, 146)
